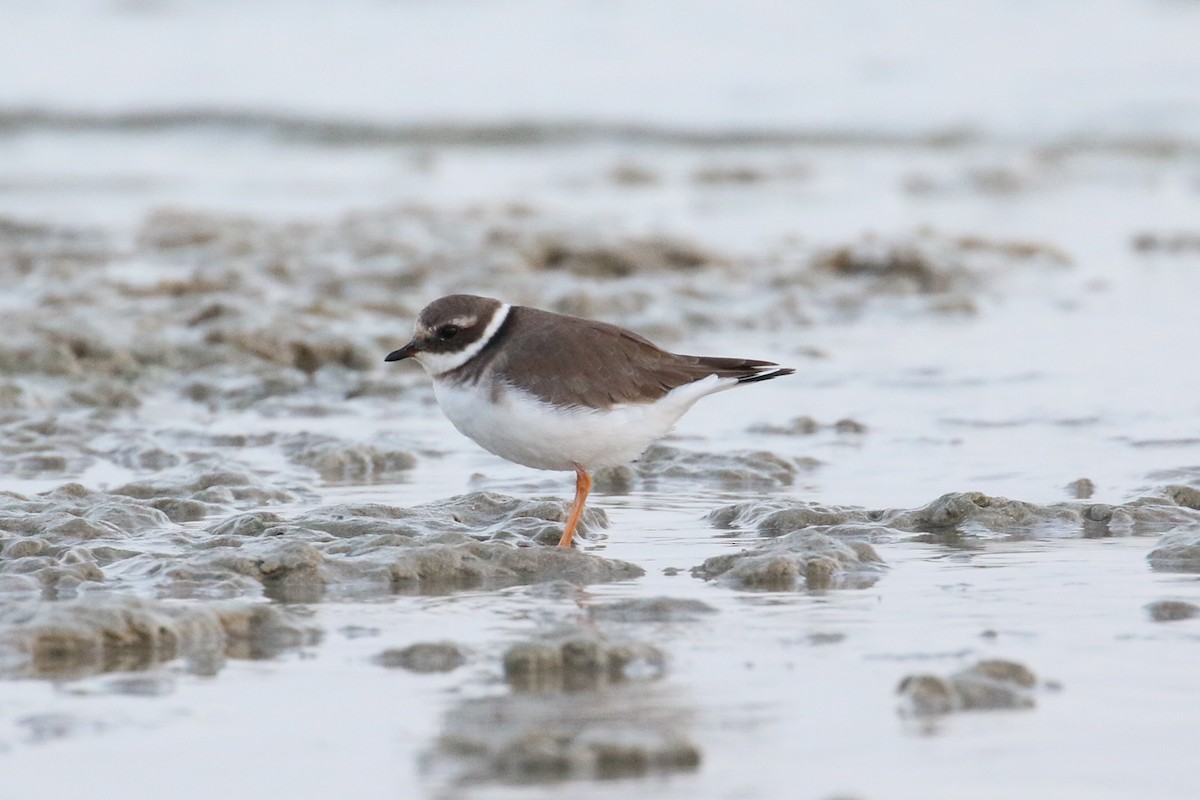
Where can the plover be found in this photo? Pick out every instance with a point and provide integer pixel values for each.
(554, 392)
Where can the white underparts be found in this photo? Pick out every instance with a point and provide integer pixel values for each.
(517, 426)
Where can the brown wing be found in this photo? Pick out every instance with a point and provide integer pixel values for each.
(572, 361)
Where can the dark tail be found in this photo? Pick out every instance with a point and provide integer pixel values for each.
(766, 376)
(746, 370)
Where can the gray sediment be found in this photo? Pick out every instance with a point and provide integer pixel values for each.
(989, 685)
(970, 513)
(798, 560)
(105, 633)
(55, 544)
(581, 705)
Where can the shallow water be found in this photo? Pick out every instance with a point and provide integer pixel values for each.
(196, 304)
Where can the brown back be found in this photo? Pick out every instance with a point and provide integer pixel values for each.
(573, 361)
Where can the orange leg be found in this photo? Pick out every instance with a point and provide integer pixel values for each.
(583, 485)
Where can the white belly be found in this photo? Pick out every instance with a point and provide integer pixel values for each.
(523, 429)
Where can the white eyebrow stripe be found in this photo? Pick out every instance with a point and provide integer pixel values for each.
(441, 363)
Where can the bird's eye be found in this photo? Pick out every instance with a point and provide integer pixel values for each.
(448, 332)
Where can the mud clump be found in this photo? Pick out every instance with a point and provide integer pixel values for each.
(929, 263)
(897, 265)
(975, 511)
(210, 481)
(445, 567)
(34, 567)
(111, 632)
(179, 510)
(1167, 243)
(532, 739)
(254, 523)
(728, 174)
(371, 549)
(799, 560)
(633, 175)
(620, 260)
(796, 426)
(485, 516)
(651, 610)
(807, 426)
(171, 229)
(54, 544)
(288, 571)
(1081, 489)
(35, 447)
(739, 469)
(74, 514)
(1176, 552)
(105, 394)
(337, 461)
(582, 707)
(25, 244)
(579, 661)
(1172, 610)
(145, 456)
(423, 657)
(1187, 496)
(989, 685)
(777, 516)
(301, 349)
(969, 513)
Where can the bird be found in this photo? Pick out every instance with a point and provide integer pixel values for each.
(556, 392)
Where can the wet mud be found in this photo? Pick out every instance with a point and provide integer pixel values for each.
(223, 345)
(191, 544)
(977, 514)
(934, 264)
(526, 739)
(1177, 552)
(651, 610)
(730, 470)
(575, 661)
(105, 633)
(986, 686)
(581, 705)
(798, 560)
(205, 462)
(424, 657)
(56, 543)
(1172, 610)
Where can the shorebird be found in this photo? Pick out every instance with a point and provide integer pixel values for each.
(555, 392)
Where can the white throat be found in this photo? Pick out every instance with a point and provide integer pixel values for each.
(440, 363)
